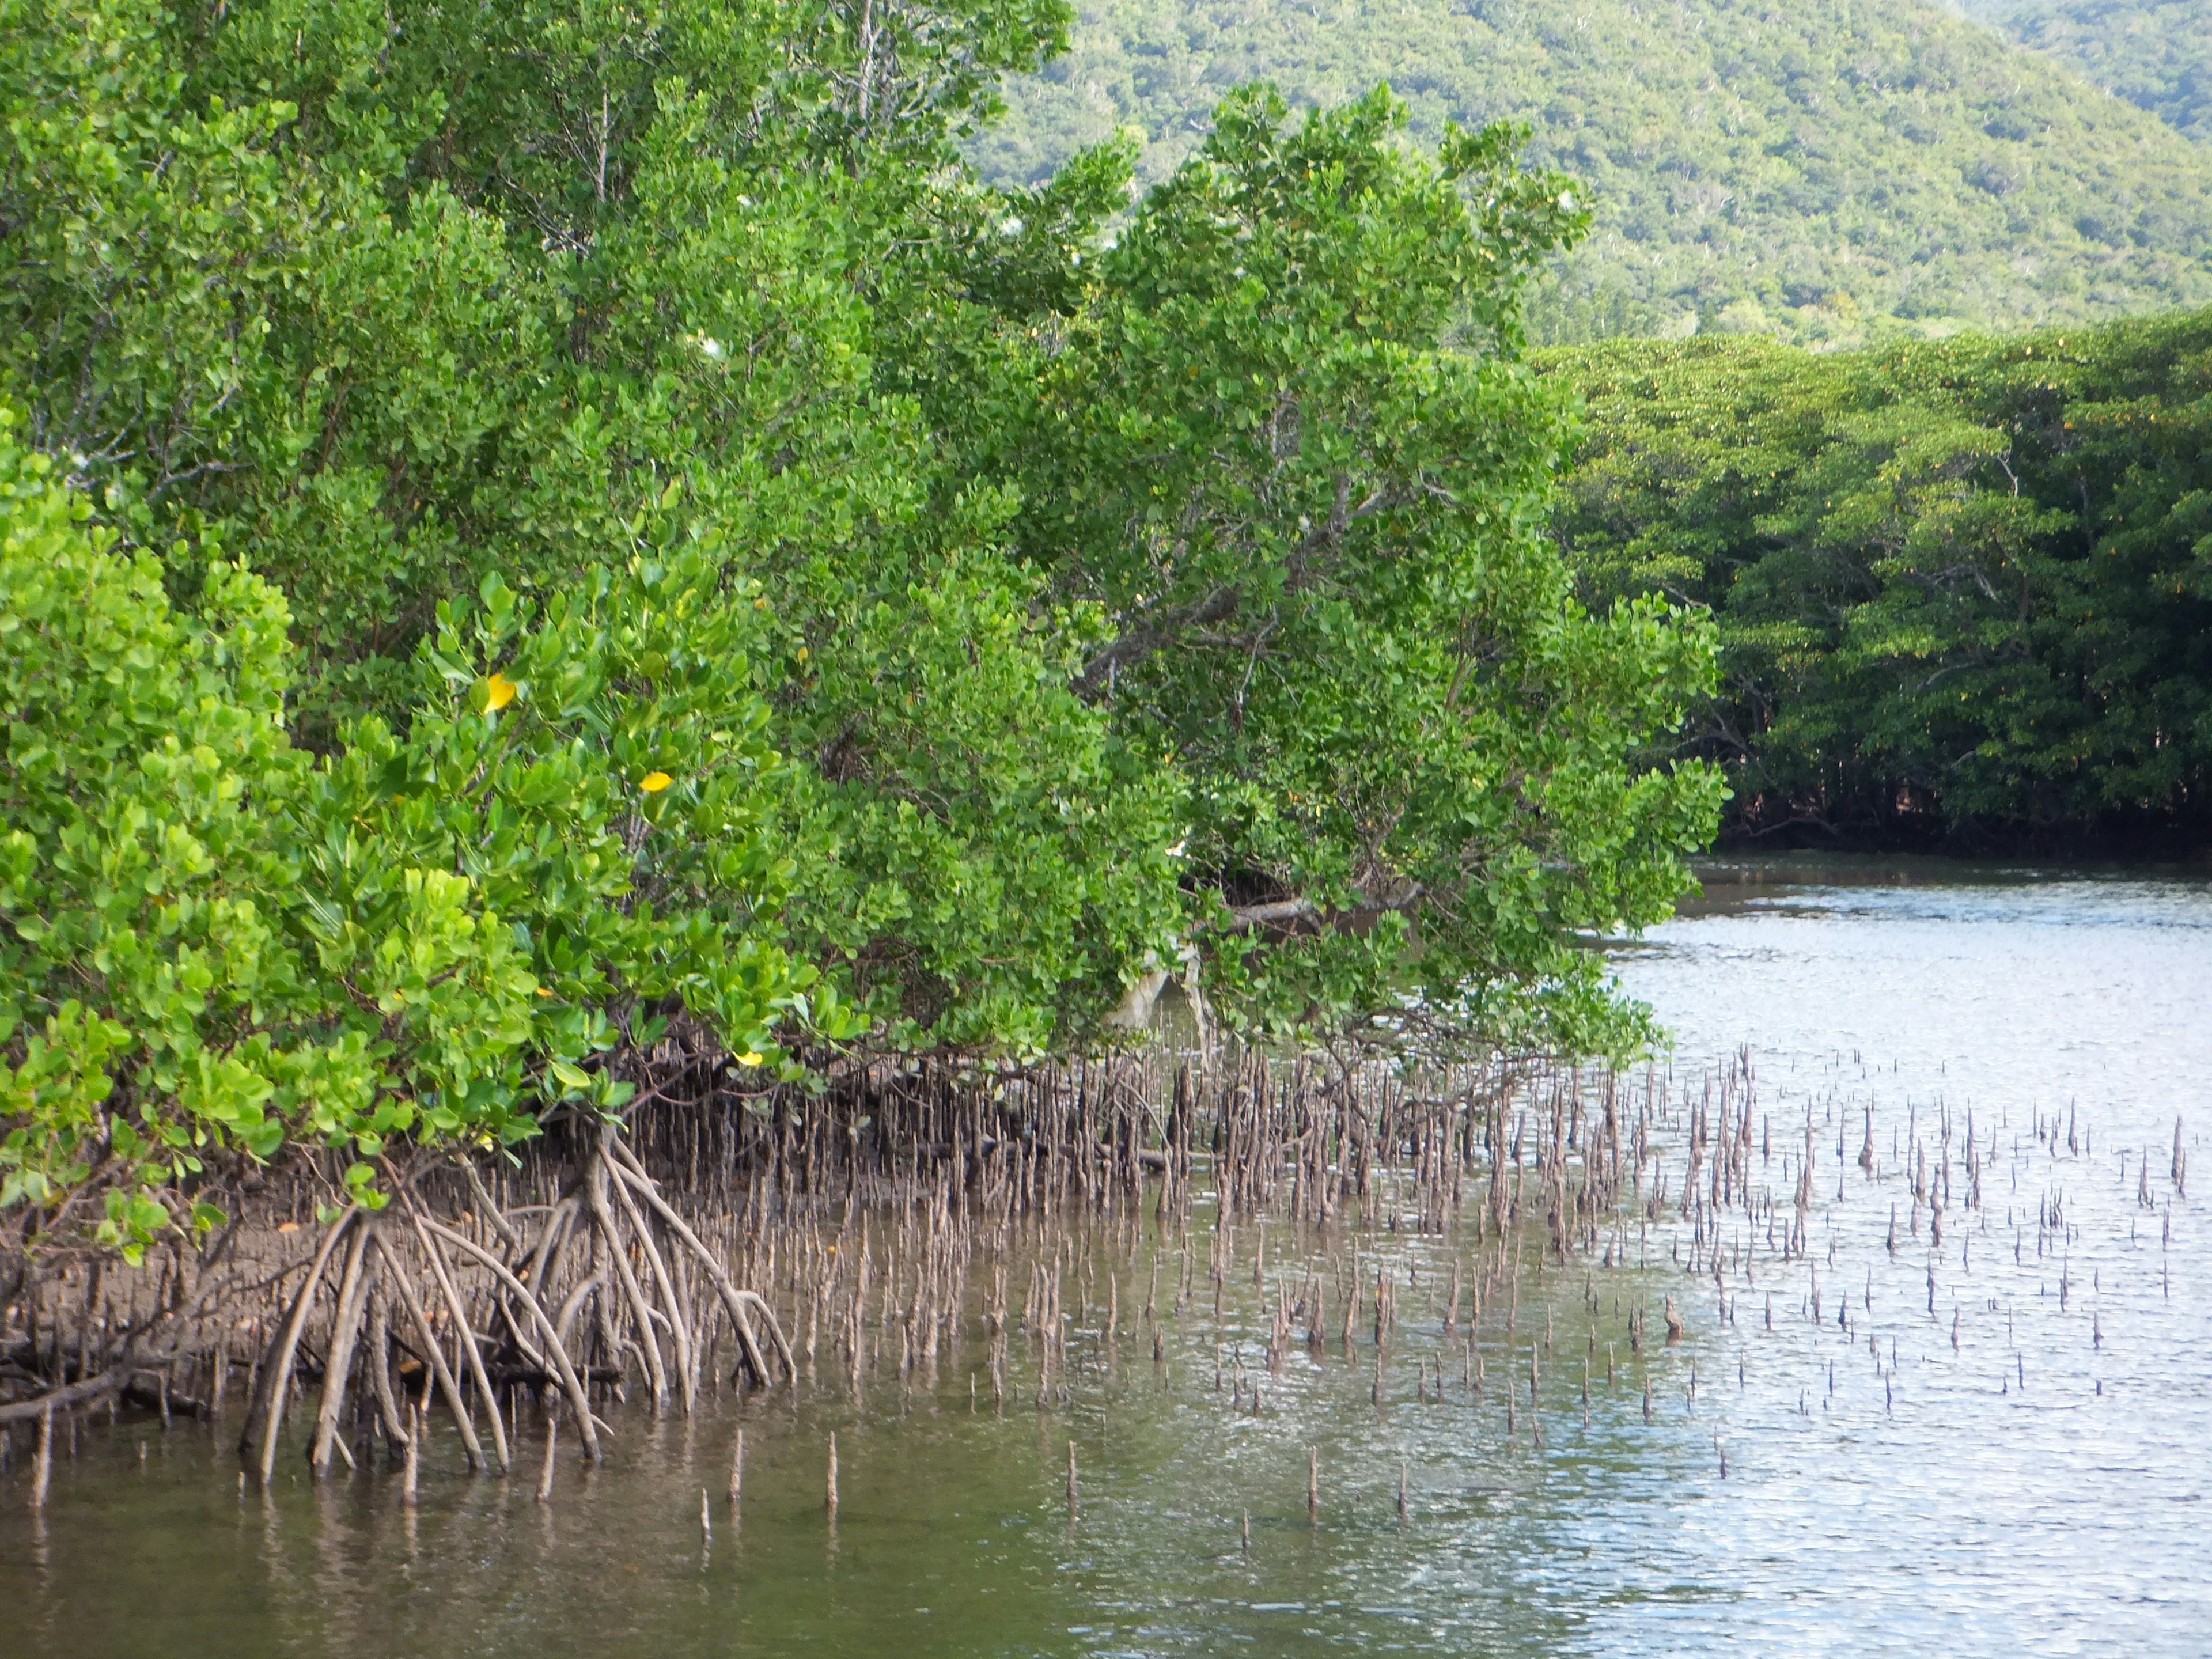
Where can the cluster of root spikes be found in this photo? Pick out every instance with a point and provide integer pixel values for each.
(440, 1300)
(617, 1256)
(546, 1302)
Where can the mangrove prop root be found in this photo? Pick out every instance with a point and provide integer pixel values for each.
(441, 1372)
(595, 1192)
(378, 1362)
(737, 1302)
(469, 1352)
(679, 1322)
(559, 1294)
(569, 1382)
(353, 1291)
(267, 1416)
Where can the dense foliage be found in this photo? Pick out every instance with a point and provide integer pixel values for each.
(2157, 54)
(1827, 172)
(533, 528)
(1964, 589)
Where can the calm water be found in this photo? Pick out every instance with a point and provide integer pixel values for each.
(2024, 1468)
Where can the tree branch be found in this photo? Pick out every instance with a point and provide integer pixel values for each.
(1145, 637)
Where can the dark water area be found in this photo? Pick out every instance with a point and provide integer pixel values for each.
(1872, 1440)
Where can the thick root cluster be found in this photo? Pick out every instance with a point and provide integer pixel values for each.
(549, 1302)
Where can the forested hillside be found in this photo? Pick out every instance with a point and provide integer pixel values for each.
(2157, 54)
(1825, 171)
(1964, 588)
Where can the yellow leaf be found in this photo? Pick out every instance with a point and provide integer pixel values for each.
(499, 691)
(654, 782)
(750, 1057)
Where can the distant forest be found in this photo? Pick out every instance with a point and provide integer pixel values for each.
(1963, 589)
(1826, 173)
(2157, 54)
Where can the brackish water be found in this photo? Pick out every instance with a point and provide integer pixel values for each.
(1997, 1443)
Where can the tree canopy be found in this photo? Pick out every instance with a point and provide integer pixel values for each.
(1964, 589)
(530, 529)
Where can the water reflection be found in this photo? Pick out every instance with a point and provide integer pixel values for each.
(1992, 1443)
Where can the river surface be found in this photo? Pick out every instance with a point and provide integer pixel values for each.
(1993, 1443)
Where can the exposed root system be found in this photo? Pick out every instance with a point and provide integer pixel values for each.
(720, 1239)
